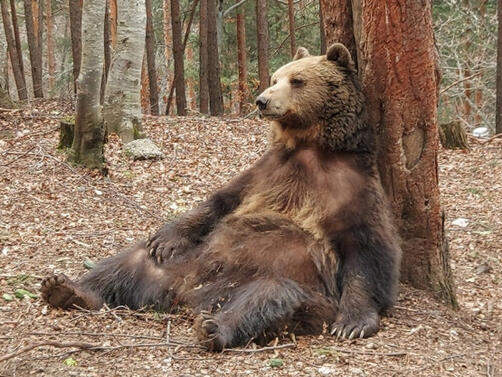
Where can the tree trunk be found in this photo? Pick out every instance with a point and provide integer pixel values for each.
(213, 61)
(203, 88)
(14, 58)
(400, 79)
(113, 22)
(291, 17)
(242, 59)
(107, 52)
(498, 115)
(150, 58)
(34, 48)
(179, 67)
(17, 37)
(262, 30)
(76, 37)
(50, 44)
(87, 148)
(122, 108)
(167, 48)
(322, 29)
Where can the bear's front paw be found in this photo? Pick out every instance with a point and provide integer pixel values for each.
(166, 244)
(355, 325)
(210, 332)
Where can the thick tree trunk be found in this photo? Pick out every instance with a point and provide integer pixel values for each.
(242, 59)
(17, 37)
(203, 88)
(179, 67)
(498, 115)
(122, 108)
(291, 18)
(167, 48)
(87, 148)
(50, 43)
(213, 61)
(14, 58)
(400, 79)
(76, 37)
(34, 48)
(262, 30)
(150, 58)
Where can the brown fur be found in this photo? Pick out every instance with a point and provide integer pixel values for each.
(300, 239)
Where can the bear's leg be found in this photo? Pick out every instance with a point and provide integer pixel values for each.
(129, 278)
(257, 309)
(368, 280)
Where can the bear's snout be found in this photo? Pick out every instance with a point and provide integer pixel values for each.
(262, 102)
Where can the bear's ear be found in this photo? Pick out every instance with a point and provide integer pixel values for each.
(337, 52)
(302, 52)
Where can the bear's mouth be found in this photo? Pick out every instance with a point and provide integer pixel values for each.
(273, 116)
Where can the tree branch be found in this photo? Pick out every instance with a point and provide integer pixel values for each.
(233, 7)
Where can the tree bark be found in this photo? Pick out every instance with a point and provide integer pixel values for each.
(213, 61)
(291, 17)
(498, 115)
(76, 37)
(150, 58)
(50, 43)
(14, 58)
(262, 30)
(242, 59)
(17, 37)
(87, 147)
(34, 48)
(122, 108)
(107, 51)
(322, 29)
(203, 87)
(179, 67)
(400, 78)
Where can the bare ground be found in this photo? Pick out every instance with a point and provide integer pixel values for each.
(53, 217)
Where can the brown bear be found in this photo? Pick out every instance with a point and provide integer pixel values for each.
(300, 239)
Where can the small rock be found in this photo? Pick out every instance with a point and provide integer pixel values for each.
(143, 149)
(371, 346)
(325, 371)
(483, 268)
(481, 132)
(461, 222)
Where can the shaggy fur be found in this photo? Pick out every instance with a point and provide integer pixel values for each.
(301, 239)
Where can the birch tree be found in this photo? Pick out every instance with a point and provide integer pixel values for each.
(122, 108)
(87, 147)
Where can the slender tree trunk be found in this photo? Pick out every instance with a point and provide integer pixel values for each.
(14, 58)
(262, 30)
(322, 29)
(89, 127)
(50, 44)
(203, 81)
(401, 81)
(145, 88)
(292, 37)
(213, 61)
(168, 45)
(150, 57)
(242, 59)
(498, 115)
(17, 37)
(179, 67)
(76, 37)
(107, 52)
(122, 108)
(35, 49)
(192, 98)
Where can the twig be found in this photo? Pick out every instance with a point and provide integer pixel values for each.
(262, 349)
(21, 155)
(459, 82)
(352, 351)
(251, 114)
(3, 110)
(100, 334)
(289, 35)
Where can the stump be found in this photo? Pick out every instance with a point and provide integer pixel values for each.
(453, 135)
(66, 131)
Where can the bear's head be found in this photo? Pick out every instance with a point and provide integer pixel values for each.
(316, 100)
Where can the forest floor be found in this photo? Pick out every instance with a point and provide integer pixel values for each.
(54, 217)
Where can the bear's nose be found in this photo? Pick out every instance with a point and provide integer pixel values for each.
(262, 102)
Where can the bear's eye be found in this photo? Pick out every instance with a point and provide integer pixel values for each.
(296, 81)
(274, 82)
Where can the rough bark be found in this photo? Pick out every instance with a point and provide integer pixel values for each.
(76, 37)
(14, 58)
(179, 67)
(150, 58)
(167, 46)
(34, 49)
(262, 37)
(50, 43)
(107, 52)
(242, 59)
(291, 19)
(113, 22)
(87, 147)
(17, 37)
(322, 29)
(400, 79)
(203, 87)
(122, 107)
(498, 115)
(213, 61)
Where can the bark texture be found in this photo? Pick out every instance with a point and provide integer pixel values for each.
(179, 67)
(262, 29)
(76, 37)
(35, 49)
(498, 115)
(150, 58)
(122, 108)
(87, 148)
(17, 37)
(397, 59)
(213, 61)
(242, 59)
(51, 63)
(291, 18)
(203, 88)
